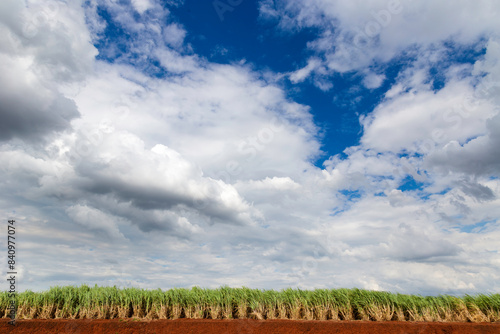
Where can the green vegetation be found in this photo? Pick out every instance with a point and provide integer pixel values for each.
(85, 302)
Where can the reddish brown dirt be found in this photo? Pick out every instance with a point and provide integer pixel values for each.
(186, 326)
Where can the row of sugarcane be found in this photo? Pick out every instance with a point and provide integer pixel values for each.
(84, 302)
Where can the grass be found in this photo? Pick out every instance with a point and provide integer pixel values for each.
(86, 302)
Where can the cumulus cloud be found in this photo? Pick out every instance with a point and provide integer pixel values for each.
(421, 120)
(39, 54)
(156, 36)
(355, 35)
(408, 244)
(156, 179)
(142, 5)
(444, 146)
(186, 171)
(93, 219)
(118, 173)
(372, 80)
(479, 156)
(301, 74)
(174, 35)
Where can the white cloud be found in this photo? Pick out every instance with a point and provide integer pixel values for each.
(372, 80)
(39, 55)
(301, 74)
(174, 35)
(142, 5)
(357, 34)
(205, 176)
(479, 156)
(275, 183)
(420, 120)
(94, 219)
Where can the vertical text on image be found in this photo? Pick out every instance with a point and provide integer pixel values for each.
(11, 273)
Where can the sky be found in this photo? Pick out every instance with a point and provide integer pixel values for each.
(267, 144)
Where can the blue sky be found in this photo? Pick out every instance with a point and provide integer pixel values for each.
(268, 144)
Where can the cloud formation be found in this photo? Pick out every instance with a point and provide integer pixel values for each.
(356, 35)
(39, 55)
(148, 158)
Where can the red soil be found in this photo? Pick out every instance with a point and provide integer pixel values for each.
(186, 326)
